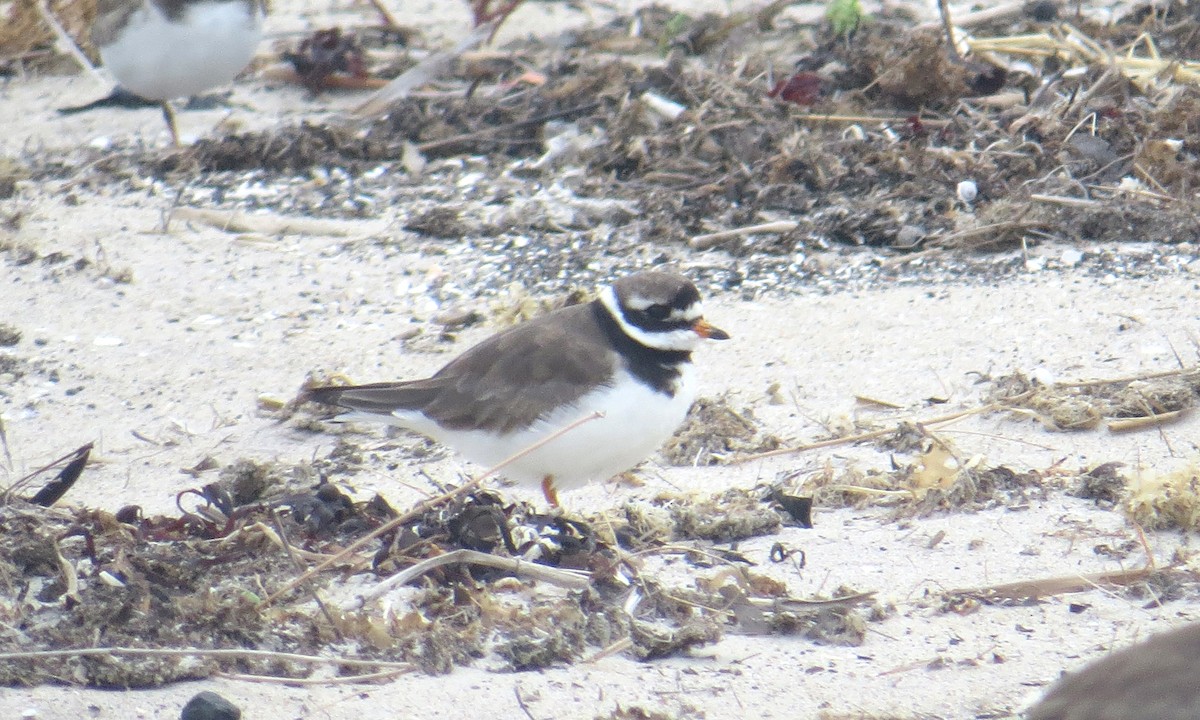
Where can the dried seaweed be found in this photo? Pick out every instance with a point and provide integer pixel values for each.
(876, 161)
(713, 431)
(201, 581)
(1158, 500)
(937, 480)
(1157, 397)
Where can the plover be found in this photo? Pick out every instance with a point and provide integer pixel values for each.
(166, 49)
(626, 355)
(1158, 679)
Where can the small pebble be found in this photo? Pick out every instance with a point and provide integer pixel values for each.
(968, 191)
(1042, 10)
(457, 317)
(9, 335)
(909, 236)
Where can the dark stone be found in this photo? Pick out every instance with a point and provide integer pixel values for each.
(210, 706)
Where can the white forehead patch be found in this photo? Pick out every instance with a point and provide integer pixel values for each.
(690, 314)
(638, 302)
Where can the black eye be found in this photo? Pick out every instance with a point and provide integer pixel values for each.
(658, 312)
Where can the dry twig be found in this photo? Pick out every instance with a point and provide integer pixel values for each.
(710, 240)
(851, 439)
(235, 221)
(66, 44)
(1041, 587)
(570, 579)
(217, 653)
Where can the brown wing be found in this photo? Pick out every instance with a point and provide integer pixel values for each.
(504, 383)
(1156, 679)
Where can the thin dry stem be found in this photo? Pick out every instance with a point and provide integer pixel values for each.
(1042, 587)
(571, 579)
(220, 653)
(340, 680)
(851, 439)
(710, 240)
(66, 44)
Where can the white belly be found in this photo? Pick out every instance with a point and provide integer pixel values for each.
(160, 60)
(636, 421)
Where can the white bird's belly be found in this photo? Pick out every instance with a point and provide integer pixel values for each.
(161, 60)
(636, 421)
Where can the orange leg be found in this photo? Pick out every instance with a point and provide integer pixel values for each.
(549, 491)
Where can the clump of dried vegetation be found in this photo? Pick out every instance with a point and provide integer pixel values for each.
(939, 477)
(1158, 500)
(1120, 405)
(244, 581)
(1061, 127)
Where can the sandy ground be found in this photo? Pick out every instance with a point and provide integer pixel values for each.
(167, 369)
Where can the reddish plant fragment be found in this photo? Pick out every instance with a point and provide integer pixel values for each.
(483, 12)
(803, 88)
(915, 127)
(325, 53)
